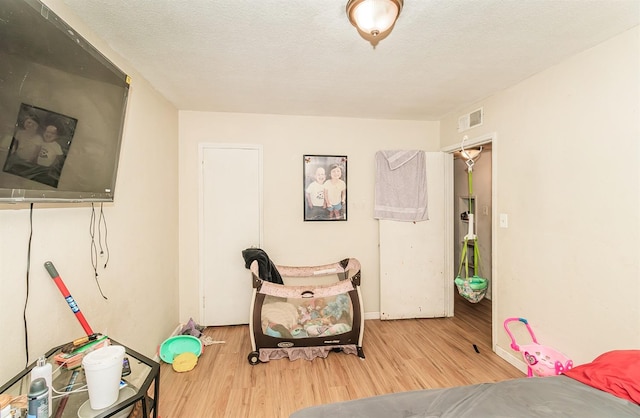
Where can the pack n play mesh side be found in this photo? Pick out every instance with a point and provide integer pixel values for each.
(307, 320)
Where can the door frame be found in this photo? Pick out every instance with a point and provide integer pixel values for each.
(202, 147)
(489, 138)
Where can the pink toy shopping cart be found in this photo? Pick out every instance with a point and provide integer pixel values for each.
(541, 360)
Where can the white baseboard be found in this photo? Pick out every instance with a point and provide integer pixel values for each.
(372, 315)
(510, 358)
(176, 331)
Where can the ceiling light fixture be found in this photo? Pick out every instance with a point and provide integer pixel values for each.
(374, 19)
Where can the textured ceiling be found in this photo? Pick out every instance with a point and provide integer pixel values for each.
(303, 57)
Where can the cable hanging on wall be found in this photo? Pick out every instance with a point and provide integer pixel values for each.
(104, 251)
(94, 248)
(26, 300)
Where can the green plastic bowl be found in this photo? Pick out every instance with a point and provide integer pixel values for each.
(179, 344)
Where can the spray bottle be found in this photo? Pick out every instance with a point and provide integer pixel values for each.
(38, 406)
(43, 370)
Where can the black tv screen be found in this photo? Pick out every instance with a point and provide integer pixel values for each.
(62, 110)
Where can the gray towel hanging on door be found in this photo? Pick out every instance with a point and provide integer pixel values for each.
(401, 186)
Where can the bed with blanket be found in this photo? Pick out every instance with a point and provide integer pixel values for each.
(607, 387)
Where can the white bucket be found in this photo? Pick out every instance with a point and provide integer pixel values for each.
(103, 370)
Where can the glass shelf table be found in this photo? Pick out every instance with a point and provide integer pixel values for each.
(143, 379)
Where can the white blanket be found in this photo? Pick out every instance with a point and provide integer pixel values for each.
(401, 186)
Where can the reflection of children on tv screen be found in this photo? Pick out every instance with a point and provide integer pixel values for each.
(50, 150)
(27, 139)
(40, 145)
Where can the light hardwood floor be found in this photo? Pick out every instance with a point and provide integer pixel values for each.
(401, 355)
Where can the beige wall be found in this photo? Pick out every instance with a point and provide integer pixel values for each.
(287, 238)
(567, 155)
(141, 278)
(568, 177)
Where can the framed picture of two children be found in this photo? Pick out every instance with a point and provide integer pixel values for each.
(325, 187)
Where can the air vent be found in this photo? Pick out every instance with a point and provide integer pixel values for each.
(470, 120)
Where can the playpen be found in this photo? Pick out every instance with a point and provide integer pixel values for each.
(318, 309)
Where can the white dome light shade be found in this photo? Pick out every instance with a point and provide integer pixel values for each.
(373, 16)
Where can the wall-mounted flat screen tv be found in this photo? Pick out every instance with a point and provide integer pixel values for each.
(62, 110)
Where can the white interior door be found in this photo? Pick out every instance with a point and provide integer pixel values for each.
(231, 218)
(416, 275)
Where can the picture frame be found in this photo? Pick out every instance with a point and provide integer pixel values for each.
(324, 187)
(40, 144)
